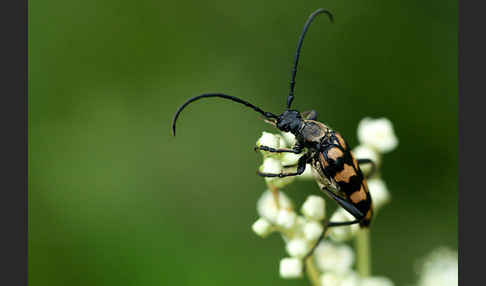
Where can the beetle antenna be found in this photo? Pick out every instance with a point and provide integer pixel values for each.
(290, 98)
(233, 98)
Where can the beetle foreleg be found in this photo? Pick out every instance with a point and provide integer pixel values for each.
(294, 150)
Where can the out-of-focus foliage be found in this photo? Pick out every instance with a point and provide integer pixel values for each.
(115, 200)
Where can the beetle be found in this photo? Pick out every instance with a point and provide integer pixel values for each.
(335, 169)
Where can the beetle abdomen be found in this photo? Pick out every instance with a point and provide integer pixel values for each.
(339, 164)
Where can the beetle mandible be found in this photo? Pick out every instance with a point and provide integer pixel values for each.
(335, 169)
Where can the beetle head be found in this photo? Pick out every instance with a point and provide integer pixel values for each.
(289, 121)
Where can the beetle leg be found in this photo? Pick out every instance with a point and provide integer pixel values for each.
(323, 234)
(273, 150)
(309, 160)
(321, 237)
(300, 169)
(343, 223)
(368, 161)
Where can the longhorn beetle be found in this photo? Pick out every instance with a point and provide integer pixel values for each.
(335, 169)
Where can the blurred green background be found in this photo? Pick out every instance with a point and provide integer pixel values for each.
(115, 200)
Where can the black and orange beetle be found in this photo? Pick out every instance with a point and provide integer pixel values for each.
(336, 171)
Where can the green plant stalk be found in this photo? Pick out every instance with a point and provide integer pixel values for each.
(363, 261)
(312, 271)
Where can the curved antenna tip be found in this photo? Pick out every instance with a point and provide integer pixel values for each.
(290, 97)
(220, 95)
(322, 10)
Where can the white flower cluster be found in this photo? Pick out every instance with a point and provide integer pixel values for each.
(439, 268)
(335, 262)
(333, 258)
(299, 231)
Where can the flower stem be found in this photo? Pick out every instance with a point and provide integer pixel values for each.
(363, 252)
(312, 271)
(275, 195)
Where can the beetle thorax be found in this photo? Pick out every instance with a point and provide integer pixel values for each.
(313, 131)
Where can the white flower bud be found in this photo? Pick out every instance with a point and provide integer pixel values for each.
(342, 233)
(289, 159)
(271, 165)
(379, 192)
(330, 279)
(282, 142)
(379, 281)
(334, 258)
(314, 208)
(289, 138)
(351, 279)
(267, 208)
(286, 218)
(286, 159)
(312, 230)
(365, 152)
(439, 268)
(262, 227)
(297, 247)
(296, 231)
(378, 134)
(270, 140)
(291, 268)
